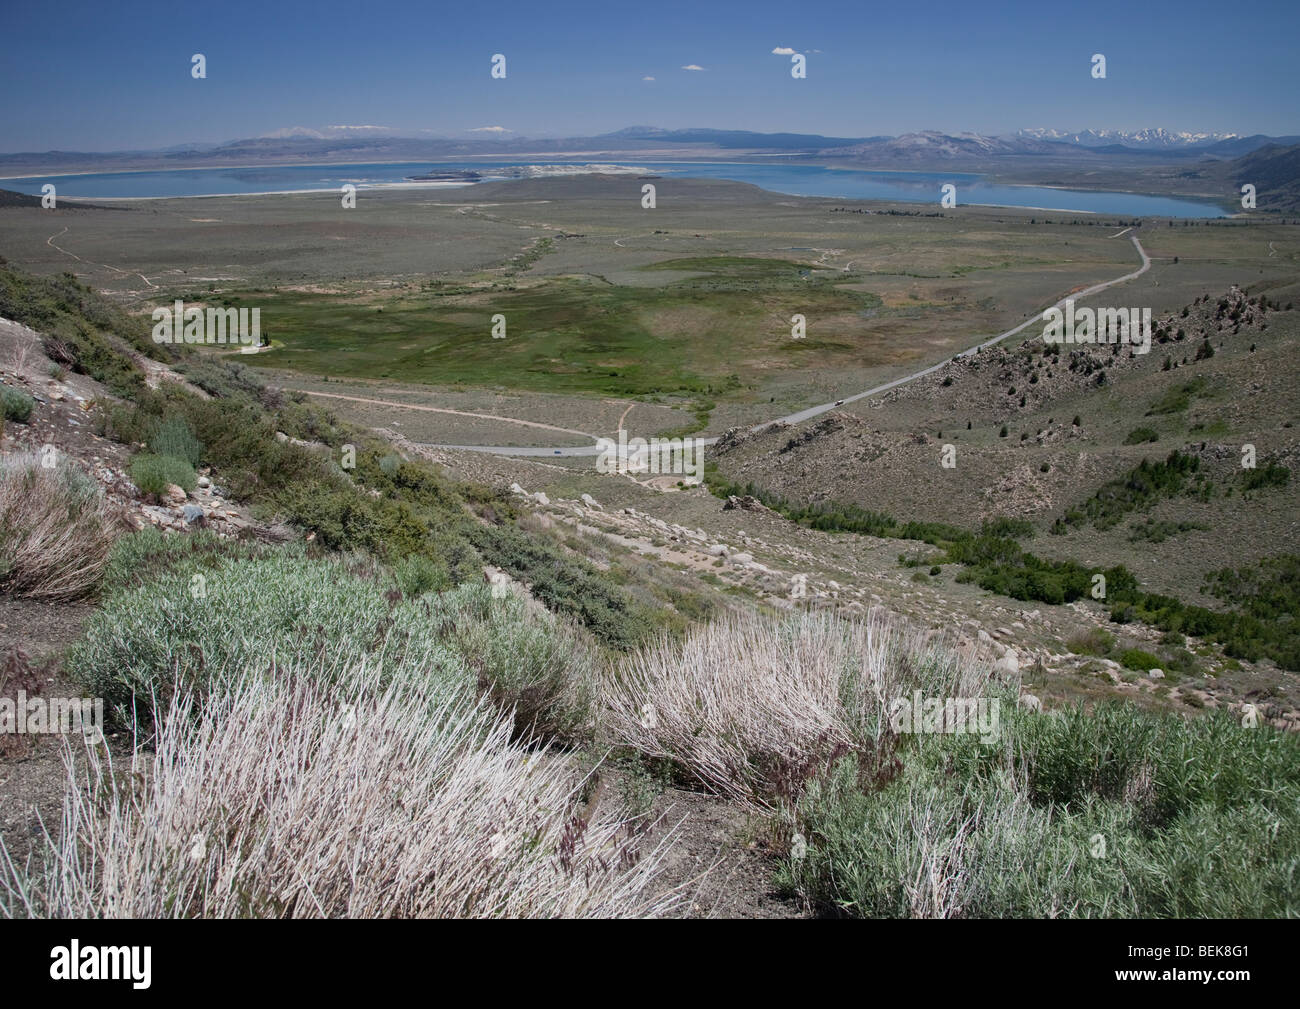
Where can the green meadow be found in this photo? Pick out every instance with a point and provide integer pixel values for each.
(709, 328)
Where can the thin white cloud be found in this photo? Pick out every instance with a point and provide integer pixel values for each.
(490, 129)
(647, 78)
(692, 66)
(782, 51)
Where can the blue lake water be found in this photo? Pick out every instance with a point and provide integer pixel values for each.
(795, 180)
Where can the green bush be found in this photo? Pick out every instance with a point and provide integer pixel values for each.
(173, 436)
(1141, 487)
(17, 404)
(191, 613)
(153, 473)
(1141, 435)
(1109, 812)
(201, 626)
(1269, 475)
(1093, 641)
(1010, 528)
(417, 574)
(121, 422)
(569, 587)
(1177, 398)
(1136, 658)
(1154, 531)
(531, 663)
(143, 556)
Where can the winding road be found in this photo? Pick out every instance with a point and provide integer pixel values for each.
(792, 418)
(50, 242)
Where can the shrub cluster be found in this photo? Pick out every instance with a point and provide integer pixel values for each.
(1108, 812)
(15, 404)
(54, 530)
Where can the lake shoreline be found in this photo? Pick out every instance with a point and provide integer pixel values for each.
(805, 181)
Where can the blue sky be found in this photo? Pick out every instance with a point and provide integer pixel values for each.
(115, 76)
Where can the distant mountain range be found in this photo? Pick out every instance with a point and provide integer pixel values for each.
(360, 144)
(1228, 144)
(1155, 138)
(735, 138)
(930, 145)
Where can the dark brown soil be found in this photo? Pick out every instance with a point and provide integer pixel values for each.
(718, 856)
(32, 772)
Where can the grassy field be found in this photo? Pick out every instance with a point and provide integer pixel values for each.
(714, 320)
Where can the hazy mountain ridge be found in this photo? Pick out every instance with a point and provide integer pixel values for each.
(1275, 172)
(1157, 137)
(1018, 159)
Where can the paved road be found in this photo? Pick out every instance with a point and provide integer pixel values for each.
(816, 411)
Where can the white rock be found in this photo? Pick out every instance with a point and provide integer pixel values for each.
(541, 498)
(741, 558)
(985, 636)
(1156, 674)
(1008, 665)
(1030, 703)
(516, 489)
(719, 550)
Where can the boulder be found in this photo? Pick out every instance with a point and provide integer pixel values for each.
(745, 502)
